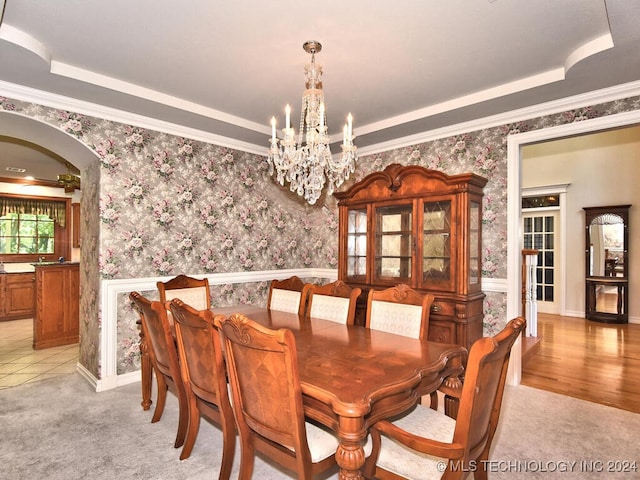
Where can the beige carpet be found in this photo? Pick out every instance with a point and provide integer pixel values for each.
(60, 429)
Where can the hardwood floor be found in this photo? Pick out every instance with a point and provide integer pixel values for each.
(592, 361)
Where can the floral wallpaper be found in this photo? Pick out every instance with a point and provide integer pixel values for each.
(156, 205)
(90, 331)
(171, 205)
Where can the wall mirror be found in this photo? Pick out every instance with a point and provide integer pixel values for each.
(606, 252)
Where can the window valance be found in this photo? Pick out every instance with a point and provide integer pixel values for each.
(54, 209)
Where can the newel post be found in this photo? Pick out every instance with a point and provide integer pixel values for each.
(529, 291)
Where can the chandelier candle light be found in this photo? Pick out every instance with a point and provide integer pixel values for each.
(309, 166)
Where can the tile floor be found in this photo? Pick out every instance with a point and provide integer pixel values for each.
(20, 363)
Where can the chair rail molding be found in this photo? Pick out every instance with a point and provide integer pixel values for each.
(110, 289)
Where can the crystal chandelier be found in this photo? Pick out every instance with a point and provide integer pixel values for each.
(309, 166)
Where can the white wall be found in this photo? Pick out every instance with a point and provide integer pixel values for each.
(602, 169)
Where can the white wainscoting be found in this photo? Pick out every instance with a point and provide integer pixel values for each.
(112, 288)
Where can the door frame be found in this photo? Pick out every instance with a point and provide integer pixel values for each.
(514, 202)
(561, 191)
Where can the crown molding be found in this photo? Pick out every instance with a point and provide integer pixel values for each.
(27, 94)
(595, 97)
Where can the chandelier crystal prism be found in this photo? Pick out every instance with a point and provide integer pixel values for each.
(306, 162)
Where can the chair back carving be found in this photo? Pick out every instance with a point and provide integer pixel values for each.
(203, 369)
(164, 358)
(400, 310)
(334, 301)
(288, 295)
(192, 291)
(267, 397)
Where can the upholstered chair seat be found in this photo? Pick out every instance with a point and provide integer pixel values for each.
(427, 444)
(422, 422)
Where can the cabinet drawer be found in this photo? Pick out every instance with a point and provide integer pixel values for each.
(443, 308)
(20, 278)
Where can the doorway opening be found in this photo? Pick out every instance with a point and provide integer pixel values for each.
(515, 143)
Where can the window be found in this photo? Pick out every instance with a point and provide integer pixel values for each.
(541, 201)
(32, 228)
(26, 233)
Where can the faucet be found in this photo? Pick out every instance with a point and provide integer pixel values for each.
(41, 259)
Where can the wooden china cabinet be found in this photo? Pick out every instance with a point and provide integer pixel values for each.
(421, 227)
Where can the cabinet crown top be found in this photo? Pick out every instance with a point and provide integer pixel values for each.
(415, 179)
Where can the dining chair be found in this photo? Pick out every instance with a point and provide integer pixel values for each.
(334, 301)
(403, 311)
(288, 295)
(400, 310)
(164, 359)
(267, 399)
(416, 445)
(192, 291)
(204, 374)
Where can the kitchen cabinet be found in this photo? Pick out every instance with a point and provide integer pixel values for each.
(423, 228)
(75, 225)
(57, 315)
(17, 291)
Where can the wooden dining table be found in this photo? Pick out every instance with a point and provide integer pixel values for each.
(352, 376)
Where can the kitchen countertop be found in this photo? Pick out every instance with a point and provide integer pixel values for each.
(18, 268)
(31, 267)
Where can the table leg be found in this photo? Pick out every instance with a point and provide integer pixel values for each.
(146, 371)
(451, 402)
(350, 454)
(350, 458)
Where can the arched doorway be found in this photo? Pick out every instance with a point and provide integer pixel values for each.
(86, 160)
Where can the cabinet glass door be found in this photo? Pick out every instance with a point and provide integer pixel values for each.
(393, 243)
(436, 243)
(357, 243)
(474, 243)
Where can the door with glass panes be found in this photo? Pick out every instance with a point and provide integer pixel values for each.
(541, 232)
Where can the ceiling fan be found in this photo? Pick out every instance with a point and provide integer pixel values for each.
(68, 180)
